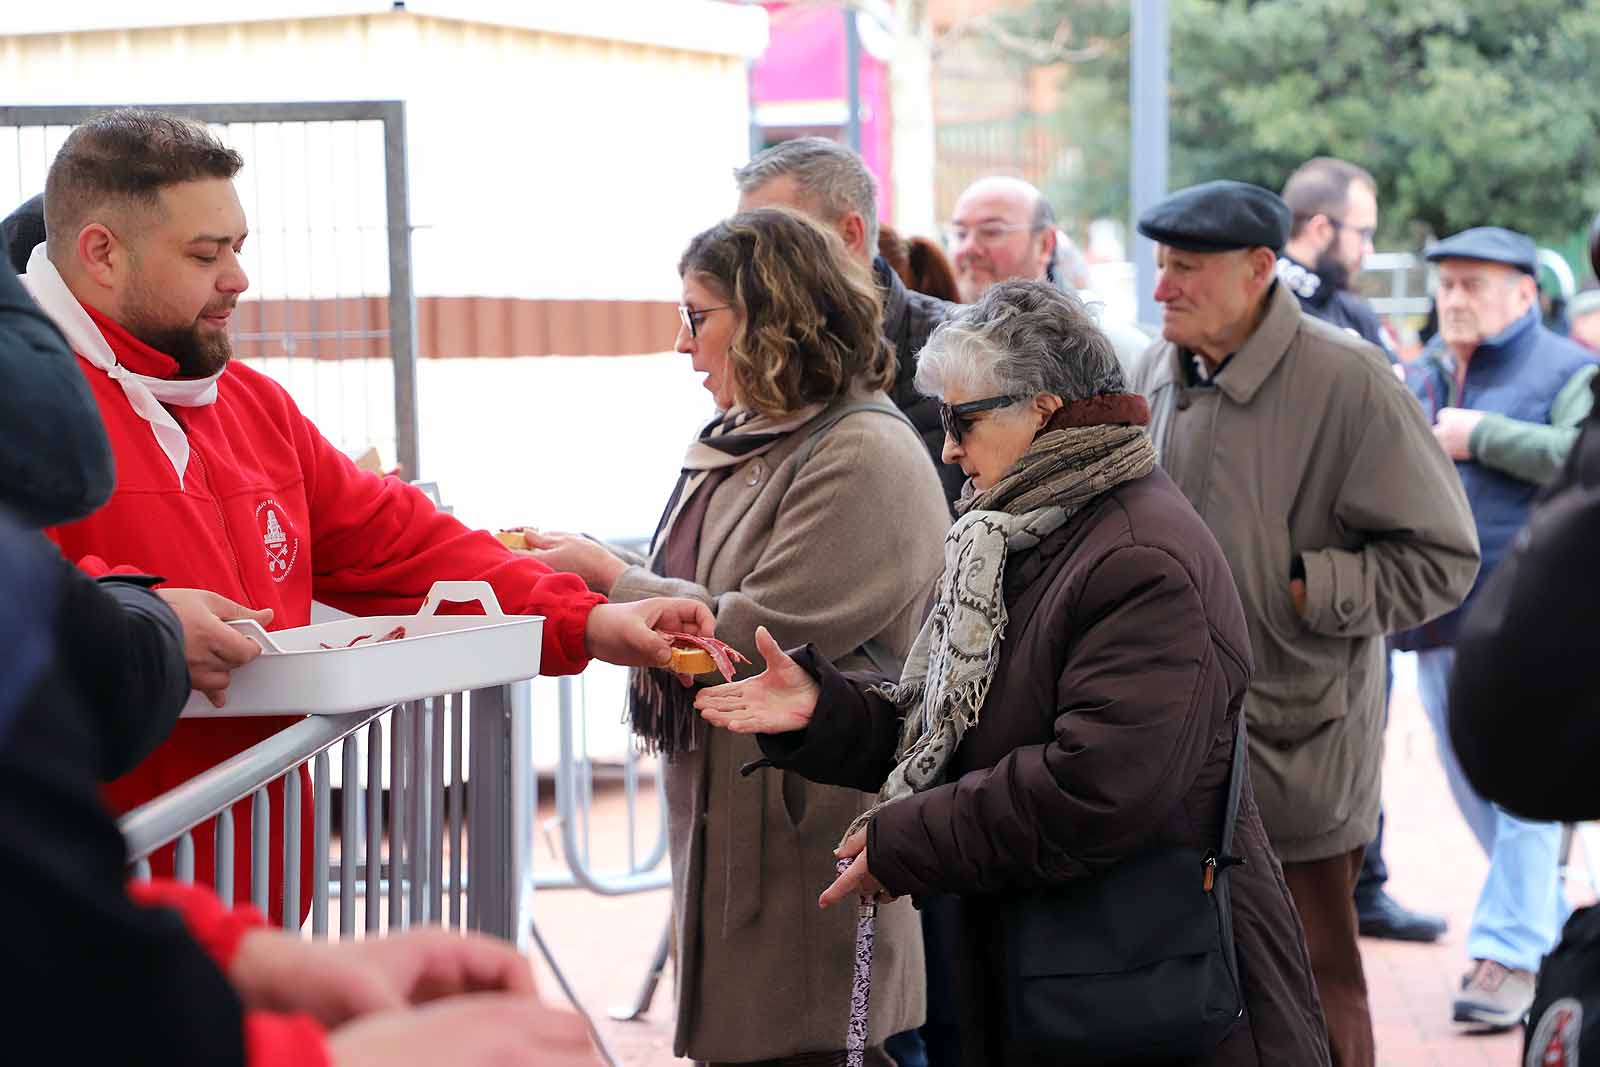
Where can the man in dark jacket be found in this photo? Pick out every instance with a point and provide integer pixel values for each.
(830, 183)
(1341, 523)
(1334, 214)
(1334, 207)
(1505, 396)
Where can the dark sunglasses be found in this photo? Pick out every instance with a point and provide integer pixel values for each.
(954, 416)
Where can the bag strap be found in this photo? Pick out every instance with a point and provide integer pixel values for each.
(824, 421)
(1235, 783)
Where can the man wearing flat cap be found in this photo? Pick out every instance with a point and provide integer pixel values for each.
(1505, 396)
(1341, 521)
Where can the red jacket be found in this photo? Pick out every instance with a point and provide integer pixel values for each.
(270, 514)
(270, 1039)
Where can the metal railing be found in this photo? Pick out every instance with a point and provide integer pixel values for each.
(460, 799)
(436, 805)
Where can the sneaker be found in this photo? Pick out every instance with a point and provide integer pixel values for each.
(1380, 915)
(1494, 996)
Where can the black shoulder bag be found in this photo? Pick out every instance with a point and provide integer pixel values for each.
(1137, 963)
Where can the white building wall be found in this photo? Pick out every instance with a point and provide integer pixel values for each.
(546, 162)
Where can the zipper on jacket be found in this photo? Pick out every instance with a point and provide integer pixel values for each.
(222, 520)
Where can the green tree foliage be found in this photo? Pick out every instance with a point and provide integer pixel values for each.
(1468, 112)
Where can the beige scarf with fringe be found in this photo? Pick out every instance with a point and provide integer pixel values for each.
(952, 663)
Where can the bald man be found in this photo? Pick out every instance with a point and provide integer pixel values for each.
(1003, 228)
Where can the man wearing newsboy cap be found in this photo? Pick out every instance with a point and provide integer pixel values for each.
(1505, 396)
(1341, 521)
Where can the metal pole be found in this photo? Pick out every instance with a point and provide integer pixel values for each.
(402, 298)
(852, 73)
(1147, 90)
(758, 139)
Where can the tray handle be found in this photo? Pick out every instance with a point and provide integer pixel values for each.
(252, 629)
(480, 593)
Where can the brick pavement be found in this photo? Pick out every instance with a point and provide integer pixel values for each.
(604, 943)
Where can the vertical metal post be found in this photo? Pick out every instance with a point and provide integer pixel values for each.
(758, 139)
(349, 836)
(458, 802)
(221, 857)
(417, 765)
(489, 890)
(852, 76)
(322, 842)
(374, 857)
(402, 298)
(291, 850)
(261, 850)
(399, 738)
(1148, 97)
(523, 789)
(183, 861)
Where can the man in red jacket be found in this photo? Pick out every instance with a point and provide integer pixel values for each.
(224, 487)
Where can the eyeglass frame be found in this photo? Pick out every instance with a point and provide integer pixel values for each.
(950, 415)
(690, 317)
(951, 240)
(1368, 234)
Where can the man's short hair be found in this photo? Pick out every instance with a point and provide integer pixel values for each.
(124, 158)
(830, 176)
(1322, 187)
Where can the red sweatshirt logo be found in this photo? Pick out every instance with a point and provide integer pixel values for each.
(282, 544)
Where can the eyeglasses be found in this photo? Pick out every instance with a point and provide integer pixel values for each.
(953, 417)
(693, 317)
(986, 233)
(1366, 233)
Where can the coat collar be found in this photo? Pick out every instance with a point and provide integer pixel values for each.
(895, 304)
(1507, 343)
(1250, 367)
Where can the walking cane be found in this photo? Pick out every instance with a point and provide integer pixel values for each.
(855, 1045)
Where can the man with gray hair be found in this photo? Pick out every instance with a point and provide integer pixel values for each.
(829, 182)
(1341, 522)
(1004, 229)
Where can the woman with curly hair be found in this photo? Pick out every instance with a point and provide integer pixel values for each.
(807, 506)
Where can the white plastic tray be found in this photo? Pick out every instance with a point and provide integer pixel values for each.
(295, 675)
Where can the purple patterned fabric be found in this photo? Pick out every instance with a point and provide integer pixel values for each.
(860, 980)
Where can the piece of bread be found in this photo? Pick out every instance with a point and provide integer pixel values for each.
(692, 661)
(512, 538)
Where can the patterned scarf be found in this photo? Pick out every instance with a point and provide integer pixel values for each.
(1084, 451)
(660, 711)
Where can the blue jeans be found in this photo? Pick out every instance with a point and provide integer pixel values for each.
(1520, 908)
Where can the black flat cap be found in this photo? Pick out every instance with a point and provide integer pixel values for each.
(1491, 244)
(21, 230)
(1218, 217)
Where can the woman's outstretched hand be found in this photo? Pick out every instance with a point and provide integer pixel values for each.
(779, 699)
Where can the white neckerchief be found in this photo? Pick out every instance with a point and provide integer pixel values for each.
(145, 394)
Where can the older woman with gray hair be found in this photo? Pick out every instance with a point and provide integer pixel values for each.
(1067, 718)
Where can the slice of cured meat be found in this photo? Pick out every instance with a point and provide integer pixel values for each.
(724, 656)
(393, 635)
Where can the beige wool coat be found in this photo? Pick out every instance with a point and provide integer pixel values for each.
(1308, 448)
(838, 551)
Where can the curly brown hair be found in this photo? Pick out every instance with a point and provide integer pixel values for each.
(810, 317)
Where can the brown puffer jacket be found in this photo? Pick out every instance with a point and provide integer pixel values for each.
(1107, 732)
